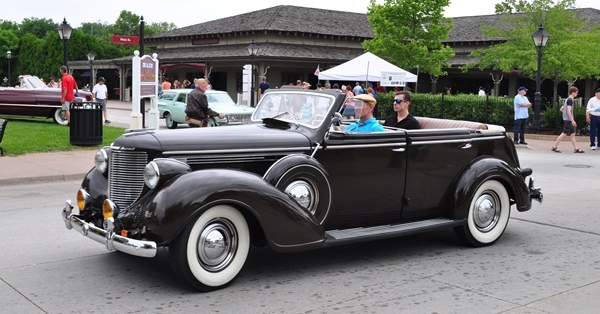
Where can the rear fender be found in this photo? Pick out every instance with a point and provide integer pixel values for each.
(480, 171)
(286, 226)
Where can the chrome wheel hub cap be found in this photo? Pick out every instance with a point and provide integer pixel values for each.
(486, 212)
(303, 193)
(217, 245)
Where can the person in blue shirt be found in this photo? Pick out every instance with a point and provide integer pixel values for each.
(363, 109)
(521, 115)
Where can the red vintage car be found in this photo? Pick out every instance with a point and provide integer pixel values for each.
(34, 99)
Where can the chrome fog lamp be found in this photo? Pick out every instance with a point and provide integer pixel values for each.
(151, 175)
(83, 199)
(101, 160)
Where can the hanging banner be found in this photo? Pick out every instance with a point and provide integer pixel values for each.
(393, 78)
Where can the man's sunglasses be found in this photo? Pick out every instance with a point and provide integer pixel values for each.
(397, 101)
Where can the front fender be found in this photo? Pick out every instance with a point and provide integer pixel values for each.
(486, 169)
(286, 226)
(96, 184)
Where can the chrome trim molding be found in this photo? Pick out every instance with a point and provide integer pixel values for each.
(347, 146)
(237, 151)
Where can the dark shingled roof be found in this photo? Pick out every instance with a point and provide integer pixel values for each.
(282, 18)
(468, 28)
(267, 50)
(297, 19)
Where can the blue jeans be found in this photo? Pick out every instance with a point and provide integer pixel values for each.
(594, 130)
(520, 125)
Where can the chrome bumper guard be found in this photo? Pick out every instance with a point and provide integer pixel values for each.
(535, 192)
(111, 240)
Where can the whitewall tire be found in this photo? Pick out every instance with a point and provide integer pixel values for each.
(212, 250)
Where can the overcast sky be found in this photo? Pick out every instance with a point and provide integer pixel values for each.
(184, 13)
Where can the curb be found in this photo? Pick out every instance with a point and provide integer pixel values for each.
(42, 179)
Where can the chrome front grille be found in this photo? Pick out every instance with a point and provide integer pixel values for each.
(126, 176)
(238, 118)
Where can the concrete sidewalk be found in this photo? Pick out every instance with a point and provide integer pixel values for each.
(73, 165)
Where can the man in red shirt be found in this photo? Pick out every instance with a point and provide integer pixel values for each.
(68, 96)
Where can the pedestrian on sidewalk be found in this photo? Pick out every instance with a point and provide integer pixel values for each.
(570, 126)
(100, 93)
(522, 106)
(592, 116)
(68, 90)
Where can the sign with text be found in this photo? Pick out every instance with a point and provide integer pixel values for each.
(125, 40)
(148, 78)
(393, 78)
(144, 79)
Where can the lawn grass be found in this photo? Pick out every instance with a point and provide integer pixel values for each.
(29, 135)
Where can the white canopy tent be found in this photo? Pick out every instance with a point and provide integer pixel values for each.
(366, 67)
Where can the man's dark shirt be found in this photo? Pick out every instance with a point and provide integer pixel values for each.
(197, 106)
(264, 86)
(408, 123)
(4, 84)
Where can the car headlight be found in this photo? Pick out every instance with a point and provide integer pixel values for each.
(151, 175)
(101, 160)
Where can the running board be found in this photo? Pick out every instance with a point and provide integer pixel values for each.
(339, 237)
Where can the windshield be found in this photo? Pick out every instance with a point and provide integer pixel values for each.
(166, 95)
(219, 98)
(32, 82)
(308, 109)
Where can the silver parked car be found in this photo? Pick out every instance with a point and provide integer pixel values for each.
(172, 103)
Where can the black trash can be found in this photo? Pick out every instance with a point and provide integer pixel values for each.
(86, 123)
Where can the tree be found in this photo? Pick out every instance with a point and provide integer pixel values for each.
(126, 24)
(9, 25)
(38, 27)
(569, 54)
(96, 29)
(8, 41)
(409, 33)
(157, 28)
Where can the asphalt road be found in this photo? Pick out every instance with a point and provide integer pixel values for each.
(547, 261)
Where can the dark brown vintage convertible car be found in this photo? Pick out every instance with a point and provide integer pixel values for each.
(294, 180)
(34, 99)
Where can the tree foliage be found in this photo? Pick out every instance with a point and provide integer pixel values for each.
(570, 52)
(409, 33)
(37, 49)
(41, 28)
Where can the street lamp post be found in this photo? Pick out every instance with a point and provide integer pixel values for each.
(8, 56)
(64, 31)
(91, 57)
(252, 52)
(540, 39)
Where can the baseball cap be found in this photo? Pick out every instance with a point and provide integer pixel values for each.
(101, 79)
(522, 88)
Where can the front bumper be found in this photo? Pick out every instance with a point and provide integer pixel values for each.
(108, 237)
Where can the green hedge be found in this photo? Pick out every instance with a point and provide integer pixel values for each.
(490, 109)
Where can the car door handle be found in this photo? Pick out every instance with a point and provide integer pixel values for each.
(399, 150)
(466, 146)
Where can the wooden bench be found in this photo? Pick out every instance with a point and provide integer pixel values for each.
(2, 128)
